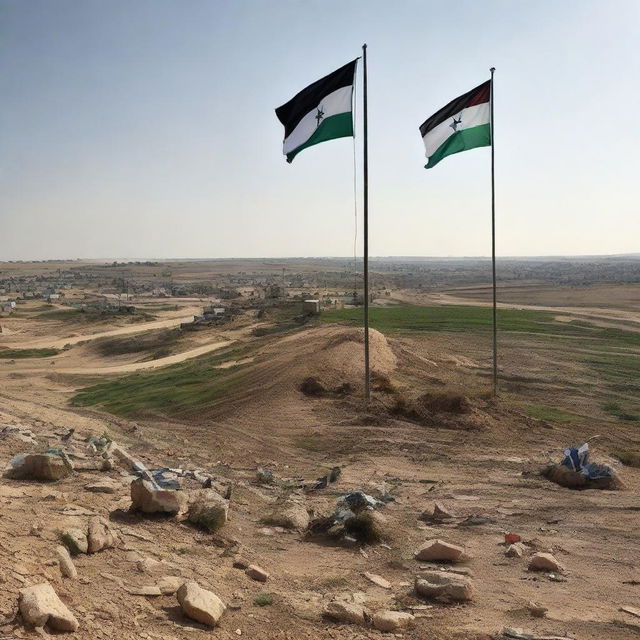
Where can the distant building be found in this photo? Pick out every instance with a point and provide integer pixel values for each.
(311, 307)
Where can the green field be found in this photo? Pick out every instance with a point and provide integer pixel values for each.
(14, 354)
(456, 319)
(177, 390)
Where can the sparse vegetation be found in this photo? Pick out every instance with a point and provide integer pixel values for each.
(628, 458)
(180, 389)
(614, 409)
(159, 340)
(550, 414)
(263, 599)
(15, 354)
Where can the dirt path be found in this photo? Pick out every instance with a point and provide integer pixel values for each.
(136, 366)
(59, 343)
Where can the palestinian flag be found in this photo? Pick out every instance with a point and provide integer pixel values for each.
(463, 124)
(320, 112)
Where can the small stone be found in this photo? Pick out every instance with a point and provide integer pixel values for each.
(103, 486)
(40, 606)
(146, 590)
(545, 562)
(515, 550)
(439, 550)
(537, 610)
(392, 620)
(153, 566)
(168, 585)
(67, 568)
(75, 540)
(438, 584)
(441, 513)
(257, 573)
(200, 604)
(100, 536)
(347, 612)
(376, 579)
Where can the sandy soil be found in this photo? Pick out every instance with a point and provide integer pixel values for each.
(483, 464)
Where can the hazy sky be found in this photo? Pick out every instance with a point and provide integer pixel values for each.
(146, 128)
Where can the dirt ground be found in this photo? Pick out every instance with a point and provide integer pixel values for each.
(484, 464)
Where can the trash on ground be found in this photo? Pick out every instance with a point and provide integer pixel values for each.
(575, 471)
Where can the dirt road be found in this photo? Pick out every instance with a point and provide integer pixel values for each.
(59, 343)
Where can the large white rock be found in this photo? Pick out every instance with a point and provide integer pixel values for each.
(199, 604)
(148, 498)
(40, 606)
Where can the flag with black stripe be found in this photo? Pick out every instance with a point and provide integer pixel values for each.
(320, 112)
(462, 124)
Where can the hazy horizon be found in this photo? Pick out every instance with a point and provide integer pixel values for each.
(148, 128)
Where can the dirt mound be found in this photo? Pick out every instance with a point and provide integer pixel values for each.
(340, 361)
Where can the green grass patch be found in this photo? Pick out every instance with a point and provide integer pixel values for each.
(550, 414)
(152, 340)
(614, 409)
(60, 314)
(263, 599)
(628, 458)
(16, 354)
(458, 319)
(177, 390)
(308, 442)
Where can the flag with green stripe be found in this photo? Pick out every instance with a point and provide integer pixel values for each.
(461, 125)
(320, 112)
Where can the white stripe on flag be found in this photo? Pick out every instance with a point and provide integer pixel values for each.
(337, 102)
(471, 117)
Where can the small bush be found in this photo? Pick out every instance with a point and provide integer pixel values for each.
(628, 458)
(263, 599)
(312, 387)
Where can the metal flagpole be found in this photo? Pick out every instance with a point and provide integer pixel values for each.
(365, 149)
(493, 248)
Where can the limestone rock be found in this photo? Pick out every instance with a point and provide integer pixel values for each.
(257, 573)
(208, 509)
(75, 540)
(348, 612)
(291, 515)
(102, 486)
(438, 584)
(67, 568)
(537, 610)
(545, 562)
(438, 550)
(45, 467)
(153, 566)
(148, 498)
(100, 536)
(515, 550)
(168, 585)
(391, 620)
(40, 605)
(376, 579)
(199, 604)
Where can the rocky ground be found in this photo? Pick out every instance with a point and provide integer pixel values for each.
(309, 516)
